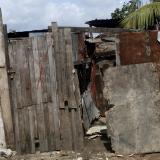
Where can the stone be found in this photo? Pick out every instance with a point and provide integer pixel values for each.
(134, 121)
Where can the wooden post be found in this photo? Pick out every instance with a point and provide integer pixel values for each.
(4, 91)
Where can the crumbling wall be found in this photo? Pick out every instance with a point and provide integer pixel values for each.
(134, 121)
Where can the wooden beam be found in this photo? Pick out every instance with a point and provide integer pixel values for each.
(96, 29)
(4, 90)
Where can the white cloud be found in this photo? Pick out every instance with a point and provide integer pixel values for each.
(36, 14)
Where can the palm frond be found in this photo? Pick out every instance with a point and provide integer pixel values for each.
(143, 17)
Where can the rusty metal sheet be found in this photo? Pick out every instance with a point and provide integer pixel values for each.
(155, 46)
(134, 48)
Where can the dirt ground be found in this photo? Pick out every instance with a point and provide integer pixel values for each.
(98, 148)
(84, 156)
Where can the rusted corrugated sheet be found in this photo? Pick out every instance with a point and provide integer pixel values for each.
(134, 48)
(155, 46)
(81, 47)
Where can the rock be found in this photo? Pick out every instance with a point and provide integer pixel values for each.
(134, 121)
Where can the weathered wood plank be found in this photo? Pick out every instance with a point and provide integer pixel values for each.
(74, 129)
(80, 134)
(74, 95)
(32, 72)
(12, 58)
(71, 87)
(64, 77)
(42, 128)
(54, 82)
(43, 57)
(51, 134)
(48, 46)
(4, 91)
(52, 88)
(27, 130)
(2, 44)
(96, 29)
(66, 132)
(37, 69)
(25, 75)
(18, 49)
(59, 68)
(32, 129)
(21, 130)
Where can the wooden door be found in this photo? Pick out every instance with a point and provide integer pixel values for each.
(45, 107)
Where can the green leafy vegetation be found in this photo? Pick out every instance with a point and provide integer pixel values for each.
(143, 17)
(126, 9)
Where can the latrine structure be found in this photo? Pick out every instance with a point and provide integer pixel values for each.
(40, 89)
(40, 97)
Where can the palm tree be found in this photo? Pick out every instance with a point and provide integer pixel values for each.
(144, 17)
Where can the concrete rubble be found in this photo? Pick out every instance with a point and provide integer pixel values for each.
(134, 121)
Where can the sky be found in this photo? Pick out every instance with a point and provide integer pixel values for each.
(20, 15)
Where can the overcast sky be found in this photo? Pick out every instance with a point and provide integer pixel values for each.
(37, 14)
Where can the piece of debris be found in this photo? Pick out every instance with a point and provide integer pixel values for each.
(133, 123)
(94, 136)
(96, 130)
(90, 111)
(6, 153)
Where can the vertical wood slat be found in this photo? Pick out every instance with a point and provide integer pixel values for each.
(72, 104)
(66, 126)
(18, 63)
(27, 130)
(4, 90)
(36, 69)
(42, 128)
(12, 58)
(77, 130)
(24, 73)
(68, 40)
(66, 132)
(48, 46)
(54, 89)
(28, 94)
(39, 72)
(32, 72)
(59, 68)
(21, 94)
(32, 129)
(22, 80)
(70, 117)
(65, 123)
(43, 59)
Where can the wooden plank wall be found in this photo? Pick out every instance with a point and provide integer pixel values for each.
(5, 105)
(45, 93)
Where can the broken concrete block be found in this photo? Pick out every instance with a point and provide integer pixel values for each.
(134, 121)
